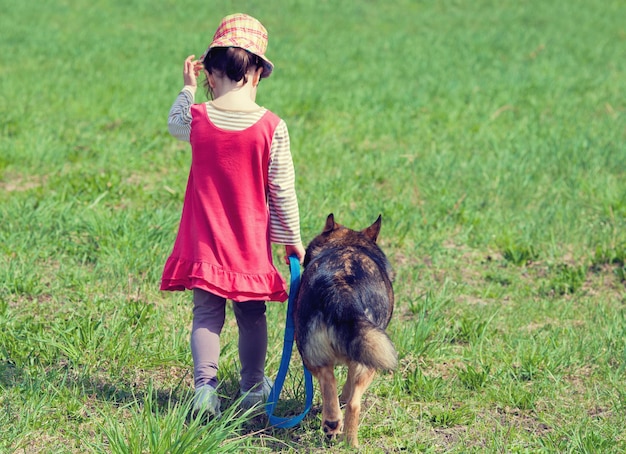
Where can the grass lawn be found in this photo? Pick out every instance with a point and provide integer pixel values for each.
(491, 136)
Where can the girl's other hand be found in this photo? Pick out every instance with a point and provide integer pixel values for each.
(191, 71)
(294, 249)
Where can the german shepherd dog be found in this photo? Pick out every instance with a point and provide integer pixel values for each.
(343, 306)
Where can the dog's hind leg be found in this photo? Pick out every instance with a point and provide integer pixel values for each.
(332, 421)
(346, 391)
(359, 379)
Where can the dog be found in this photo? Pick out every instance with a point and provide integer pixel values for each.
(342, 309)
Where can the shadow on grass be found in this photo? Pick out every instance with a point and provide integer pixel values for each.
(159, 401)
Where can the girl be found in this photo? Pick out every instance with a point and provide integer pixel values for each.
(240, 198)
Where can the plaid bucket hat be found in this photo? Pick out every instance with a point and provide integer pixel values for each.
(241, 30)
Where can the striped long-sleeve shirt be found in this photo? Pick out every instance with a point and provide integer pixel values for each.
(283, 203)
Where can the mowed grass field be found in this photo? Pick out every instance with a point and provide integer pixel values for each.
(491, 136)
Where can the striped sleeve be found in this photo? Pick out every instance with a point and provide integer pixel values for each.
(283, 203)
(179, 119)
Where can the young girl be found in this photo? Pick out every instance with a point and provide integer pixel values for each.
(240, 198)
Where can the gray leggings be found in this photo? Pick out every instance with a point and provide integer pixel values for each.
(209, 313)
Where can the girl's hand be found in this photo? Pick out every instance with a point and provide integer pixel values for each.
(294, 249)
(191, 71)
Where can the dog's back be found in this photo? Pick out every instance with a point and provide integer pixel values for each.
(345, 300)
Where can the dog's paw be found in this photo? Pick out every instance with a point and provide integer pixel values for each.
(332, 428)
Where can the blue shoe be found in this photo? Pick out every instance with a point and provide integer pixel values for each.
(253, 398)
(206, 400)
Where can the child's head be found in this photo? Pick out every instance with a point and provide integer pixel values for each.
(232, 62)
(238, 46)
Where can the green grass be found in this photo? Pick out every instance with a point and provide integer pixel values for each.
(490, 135)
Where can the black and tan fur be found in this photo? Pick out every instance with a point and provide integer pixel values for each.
(343, 306)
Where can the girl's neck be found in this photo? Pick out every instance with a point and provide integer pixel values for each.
(231, 95)
(235, 100)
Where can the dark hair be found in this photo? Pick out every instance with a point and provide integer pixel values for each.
(233, 62)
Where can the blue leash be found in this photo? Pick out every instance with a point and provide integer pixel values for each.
(277, 421)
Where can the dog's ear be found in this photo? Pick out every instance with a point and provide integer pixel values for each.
(330, 224)
(373, 230)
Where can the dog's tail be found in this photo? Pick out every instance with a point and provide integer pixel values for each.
(373, 348)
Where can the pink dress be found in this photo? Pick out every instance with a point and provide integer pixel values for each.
(223, 242)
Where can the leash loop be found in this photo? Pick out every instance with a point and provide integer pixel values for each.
(272, 400)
